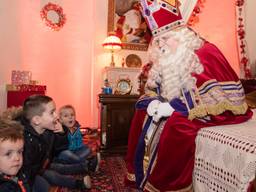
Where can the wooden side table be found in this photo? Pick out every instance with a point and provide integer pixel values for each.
(116, 112)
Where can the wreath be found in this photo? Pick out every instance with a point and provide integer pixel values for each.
(57, 9)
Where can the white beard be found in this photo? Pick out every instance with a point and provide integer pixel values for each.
(173, 70)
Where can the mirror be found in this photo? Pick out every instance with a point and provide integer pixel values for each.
(246, 38)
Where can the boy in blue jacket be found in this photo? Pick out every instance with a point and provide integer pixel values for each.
(77, 151)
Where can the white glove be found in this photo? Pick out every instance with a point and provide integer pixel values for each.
(157, 110)
(153, 107)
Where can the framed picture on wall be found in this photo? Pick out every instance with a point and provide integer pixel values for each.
(125, 19)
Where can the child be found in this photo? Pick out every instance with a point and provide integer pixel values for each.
(77, 151)
(11, 147)
(44, 137)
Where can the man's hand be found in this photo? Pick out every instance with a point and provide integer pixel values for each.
(157, 110)
(153, 107)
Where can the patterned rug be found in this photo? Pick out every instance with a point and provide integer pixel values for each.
(109, 178)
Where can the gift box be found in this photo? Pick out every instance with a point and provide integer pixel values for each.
(16, 94)
(24, 87)
(21, 77)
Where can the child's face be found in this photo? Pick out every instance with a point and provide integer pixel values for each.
(49, 117)
(68, 117)
(11, 156)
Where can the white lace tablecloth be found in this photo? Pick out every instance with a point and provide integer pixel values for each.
(225, 158)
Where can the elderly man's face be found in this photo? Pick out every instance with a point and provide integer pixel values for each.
(166, 45)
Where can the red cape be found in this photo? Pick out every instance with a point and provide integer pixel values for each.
(176, 148)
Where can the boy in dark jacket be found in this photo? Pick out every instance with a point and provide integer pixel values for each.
(12, 179)
(44, 137)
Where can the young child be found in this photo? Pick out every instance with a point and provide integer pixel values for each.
(12, 179)
(77, 151)
(44, 137)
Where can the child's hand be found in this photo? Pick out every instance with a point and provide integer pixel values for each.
(58, 127)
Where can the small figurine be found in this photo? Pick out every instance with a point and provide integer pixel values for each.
(107, 89)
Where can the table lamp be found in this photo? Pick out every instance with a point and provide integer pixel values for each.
(112, 43)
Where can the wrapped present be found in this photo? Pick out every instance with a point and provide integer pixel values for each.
(21, 77)
(34, 82)
(16, 94)
(24, 87)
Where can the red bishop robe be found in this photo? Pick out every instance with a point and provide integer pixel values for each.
(222, 99)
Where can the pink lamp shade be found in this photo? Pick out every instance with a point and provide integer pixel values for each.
(112, 43)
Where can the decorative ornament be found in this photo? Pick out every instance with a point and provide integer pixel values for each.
(242, 44)
(56, 26)
(194, 18)
(133, 60)
(143, 77)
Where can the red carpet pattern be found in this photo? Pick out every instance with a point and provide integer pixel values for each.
(109, 178)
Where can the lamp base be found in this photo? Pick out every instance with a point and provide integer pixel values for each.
(112, 64)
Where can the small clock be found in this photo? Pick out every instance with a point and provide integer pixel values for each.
(123, 86)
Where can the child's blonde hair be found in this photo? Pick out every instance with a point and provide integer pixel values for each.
(66, 107)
